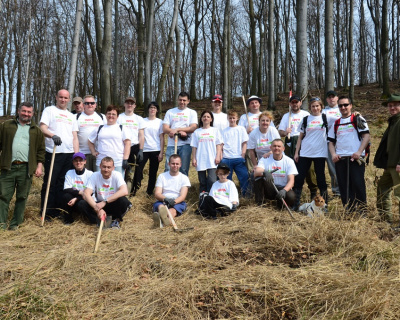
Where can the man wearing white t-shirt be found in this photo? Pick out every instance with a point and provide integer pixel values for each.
(110, 192)
(171, 191)
(60, 129)
(182, 121)
(333, 113)
(88, 120)
(296, 119)
(283, 178)
(75, 183)
(220, 118)
(254, 105)
(347, 145)
(135, 125)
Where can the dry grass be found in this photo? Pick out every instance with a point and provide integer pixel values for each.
(255, 264)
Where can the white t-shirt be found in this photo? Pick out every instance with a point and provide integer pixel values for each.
(62, 123)
(220, 121)
(110, 142)
(224, 193)
(152, 131)
(76, 181)
(347, 141)
(332, 114)
(285, 166)
(133, 124)
(313, 144)
(295, 122)
(206, 141)
(177, 118)
(233, 138)
(261, 142)
(86, 125)
(254, 121)
(105, 188)
(171, 185)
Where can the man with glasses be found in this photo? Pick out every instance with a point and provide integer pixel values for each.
(296, 118)
(77, 102)
(220, 118)
(332, 113)
(347, 143)
(88, 120)
(388, 158)
(135, 125)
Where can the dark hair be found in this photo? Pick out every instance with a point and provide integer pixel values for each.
(277, 139)
(184, 94)
(174, 156)
(107, 159)
(154, 104)
(111, 108)
(345, 97)
(201, 116)
(25, 104)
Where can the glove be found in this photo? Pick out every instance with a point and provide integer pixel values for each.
(234, 207)
(268, 176)
(125, 164)
(170, 202)
(281, 194)
(57, 140)
(139, 157)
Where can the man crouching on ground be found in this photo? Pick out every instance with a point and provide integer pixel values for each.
(283, 178)
(110, 190)
(171, 190)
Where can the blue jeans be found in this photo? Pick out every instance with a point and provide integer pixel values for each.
(185, 152)
(239, 166)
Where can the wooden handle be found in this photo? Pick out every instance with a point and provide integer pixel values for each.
(96, 247)
(48, 185)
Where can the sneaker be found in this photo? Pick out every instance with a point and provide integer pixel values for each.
(163, 211)
(157, 220)
(115, 224)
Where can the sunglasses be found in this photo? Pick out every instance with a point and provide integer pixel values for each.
(87, 103)
(344, 105)
(315, 99)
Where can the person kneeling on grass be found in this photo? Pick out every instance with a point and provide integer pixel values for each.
(223, 197)
(110, 190)
(171, 189)
(283, 178)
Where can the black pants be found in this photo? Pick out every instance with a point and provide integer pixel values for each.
(67, 197)
(62, 163)
(117, 209)
(264, 190)
(208, 207)
(303, 166)
(357, 193)
(153, 169)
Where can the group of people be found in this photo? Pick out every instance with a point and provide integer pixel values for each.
(99, 159)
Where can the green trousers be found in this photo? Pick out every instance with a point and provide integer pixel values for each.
(388, 183)
(17, 180)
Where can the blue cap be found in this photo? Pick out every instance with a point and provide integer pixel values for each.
(79, 155)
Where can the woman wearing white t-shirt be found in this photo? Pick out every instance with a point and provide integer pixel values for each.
(311, 147)
(206, 151)
(260, 139)
(153, 149)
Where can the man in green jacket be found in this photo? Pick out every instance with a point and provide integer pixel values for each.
(22, 155)
(388, 158)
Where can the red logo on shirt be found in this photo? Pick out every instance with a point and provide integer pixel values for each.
(106, 185)
(275, 167)
(79, 182)
(180, 114)
(223, 190)
(63, 115)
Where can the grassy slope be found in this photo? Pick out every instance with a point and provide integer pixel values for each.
(255, 264)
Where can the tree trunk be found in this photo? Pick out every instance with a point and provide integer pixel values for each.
(271, 56)
(177, 70)
(363, 45)
(117, 65)
(75, 48)
(287, 47)
(338, 49)
(329, 64)
(254, 61)
(225, 55)
(350, 50)
(212, 69)
(301, 50)
(385, 51)
(149, 49)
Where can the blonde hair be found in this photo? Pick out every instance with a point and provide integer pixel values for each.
(266, 114)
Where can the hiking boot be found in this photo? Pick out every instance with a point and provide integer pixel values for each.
(115, 224)
(157, 220)
(163, 211)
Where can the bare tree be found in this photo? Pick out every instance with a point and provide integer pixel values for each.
(350, 49)
(385, 50)
(329, 64)
(301, 49)
(271, 56)
(226, 55)
(254, 61)
(149, 46)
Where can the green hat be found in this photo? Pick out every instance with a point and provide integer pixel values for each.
(393, 97)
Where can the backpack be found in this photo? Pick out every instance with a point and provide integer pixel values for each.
(357, 123)
(324, 124)
(79, 114)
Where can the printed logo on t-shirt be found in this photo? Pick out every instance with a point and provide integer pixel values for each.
(262, 143)
(254, 121)
(315, 125)
(78, 185)
(179, 117)
(222, 192)
(206, 136)
(342, 129)
(63, 118)
(89, 122)
(280, 172)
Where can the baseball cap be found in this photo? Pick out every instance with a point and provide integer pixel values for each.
(223, 166)
(331, 93)
(294, 97)
(79, 99)
(217, 97)
(79, 155)
(130, 99)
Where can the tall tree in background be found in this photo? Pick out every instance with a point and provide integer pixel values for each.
(301, 50)
(350, 49)
(103, 48)
(385, 50)
(227, 70)
(271, 56)
(329, 63)
(254, 61)
(75, 47)
(149, 46)
(117, 65)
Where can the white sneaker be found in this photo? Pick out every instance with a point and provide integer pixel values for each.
(163, 211)
(157, 221)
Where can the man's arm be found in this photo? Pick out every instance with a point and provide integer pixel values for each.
(92, 149)
(121, 192)
(364, 143)
(75, 141)
(290, 182)
(127, 148)
(182, 195)
(258, 171)
(141, 138)
(244, 149)
(332, 150)
(45, 129)
(162, 146)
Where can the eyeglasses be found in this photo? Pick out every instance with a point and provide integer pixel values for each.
(344, 105)
(87, 103)
(314, 99)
